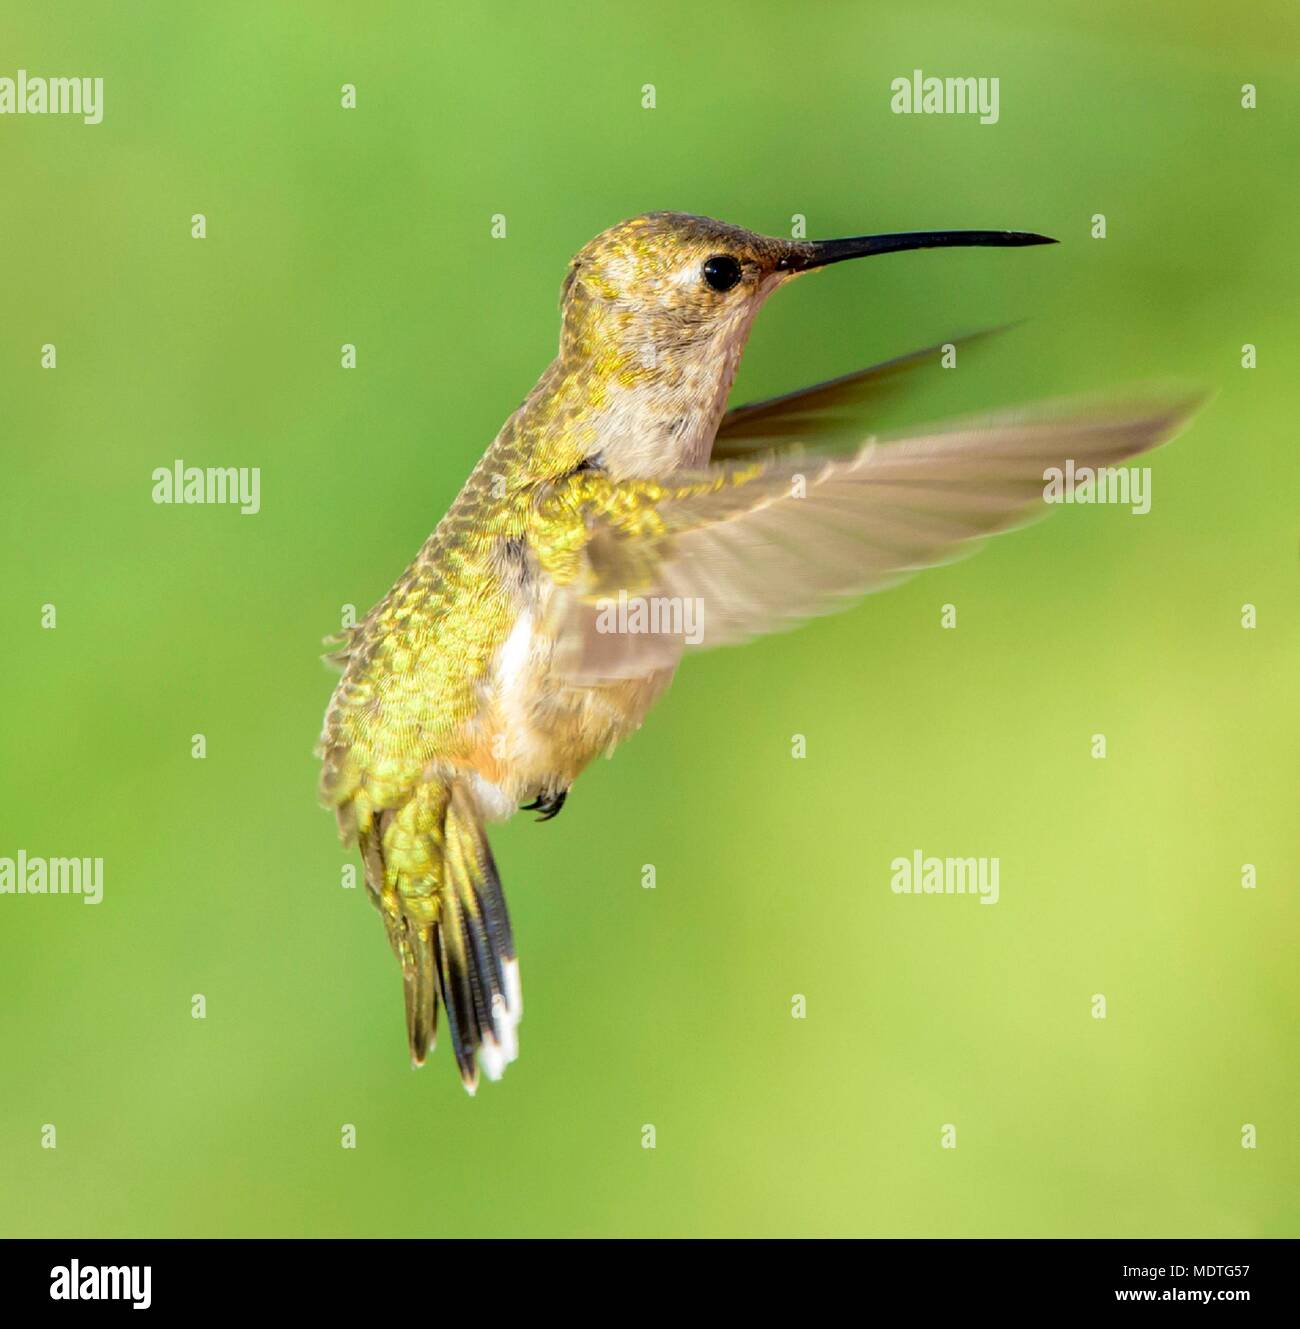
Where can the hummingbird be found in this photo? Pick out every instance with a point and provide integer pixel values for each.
(622, 516)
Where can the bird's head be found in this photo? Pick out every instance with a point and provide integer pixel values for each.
(657, 311)
(667, 286)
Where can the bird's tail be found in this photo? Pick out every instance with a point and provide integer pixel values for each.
(430, 872)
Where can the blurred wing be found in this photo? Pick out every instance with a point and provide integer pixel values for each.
(838, 407)
(744, 550)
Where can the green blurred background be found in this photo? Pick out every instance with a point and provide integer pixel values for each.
(670, 1006)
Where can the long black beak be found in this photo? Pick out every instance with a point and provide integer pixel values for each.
(808, 254)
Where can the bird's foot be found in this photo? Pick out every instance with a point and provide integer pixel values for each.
(549, 806)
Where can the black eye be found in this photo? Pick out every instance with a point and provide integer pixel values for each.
(721, 271)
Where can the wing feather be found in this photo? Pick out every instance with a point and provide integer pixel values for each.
(836, 407)
(761, 547)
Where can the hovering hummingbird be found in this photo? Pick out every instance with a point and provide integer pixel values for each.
(543, 616)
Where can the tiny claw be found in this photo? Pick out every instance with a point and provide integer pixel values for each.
(549, 806)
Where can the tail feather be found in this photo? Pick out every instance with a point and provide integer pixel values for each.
(431, 873)
(418, 982)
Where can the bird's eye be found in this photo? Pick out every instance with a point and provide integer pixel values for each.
(721, 271)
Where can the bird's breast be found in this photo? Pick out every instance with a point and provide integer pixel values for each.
(541, 730)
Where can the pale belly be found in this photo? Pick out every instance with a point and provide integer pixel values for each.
(542, 731)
